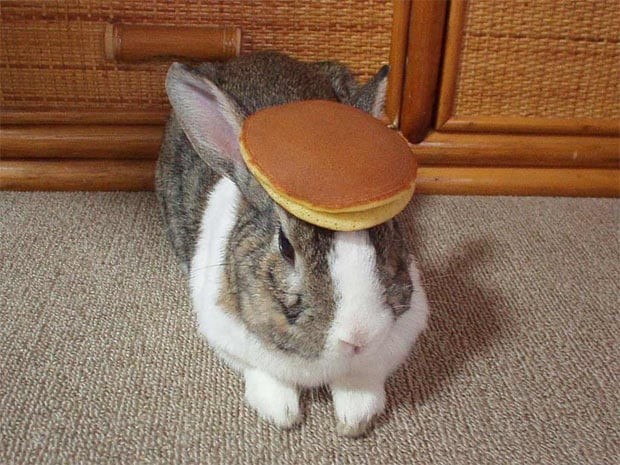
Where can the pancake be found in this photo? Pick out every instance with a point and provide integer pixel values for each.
(329, 164)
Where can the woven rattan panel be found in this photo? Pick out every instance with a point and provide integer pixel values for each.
(544, 58)
(51, 54)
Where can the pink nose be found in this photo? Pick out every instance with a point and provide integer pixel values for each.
(351, 346)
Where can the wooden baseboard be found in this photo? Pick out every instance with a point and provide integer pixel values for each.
(77, 175)
(461, 149)
(132, 175)
(569, 182)
(107, 157)
(447, 149)
(80, 141)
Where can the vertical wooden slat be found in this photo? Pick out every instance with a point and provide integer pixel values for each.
(423, 61)
(451, 61)
(398, 55)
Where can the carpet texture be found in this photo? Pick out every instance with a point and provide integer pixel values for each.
(100, 361)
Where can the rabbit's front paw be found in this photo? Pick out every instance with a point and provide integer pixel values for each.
(274, 400)
(356, 407)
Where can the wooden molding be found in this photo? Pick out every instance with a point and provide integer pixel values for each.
(438, 148)
(132, 175)
(82, 117)
(80, 141)
(572, 182)
(77, 175)
(422, 71)
(518, 150)
(131, 43)
(398, 53)
(525, 125)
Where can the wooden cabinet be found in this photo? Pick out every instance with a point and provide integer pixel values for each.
(513, 97)
(497, 97)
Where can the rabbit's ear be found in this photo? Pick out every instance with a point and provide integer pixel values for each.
(209, 117)
(212, 121)
(371, 97)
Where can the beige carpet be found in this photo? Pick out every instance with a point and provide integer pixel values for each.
(100, 362)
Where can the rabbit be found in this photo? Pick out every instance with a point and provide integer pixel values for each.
(287, 304)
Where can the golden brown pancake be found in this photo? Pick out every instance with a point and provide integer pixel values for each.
(329, 164)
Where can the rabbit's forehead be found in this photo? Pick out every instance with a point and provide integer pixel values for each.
(313, 242)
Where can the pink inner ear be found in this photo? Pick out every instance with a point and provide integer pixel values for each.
(208, 118)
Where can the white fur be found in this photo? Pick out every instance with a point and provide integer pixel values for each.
(357, 402)
(217, 222)
(361, 319)
(273, 399)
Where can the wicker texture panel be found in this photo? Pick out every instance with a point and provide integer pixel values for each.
(51, 54)
(549, 58)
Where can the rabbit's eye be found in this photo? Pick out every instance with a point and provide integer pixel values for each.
(286, 249)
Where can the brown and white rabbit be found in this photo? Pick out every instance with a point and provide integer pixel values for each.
(287, 304)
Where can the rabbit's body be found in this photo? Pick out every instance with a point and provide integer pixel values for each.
(286, 303)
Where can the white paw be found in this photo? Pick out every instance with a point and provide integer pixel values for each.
(356, 407)
(273, 400)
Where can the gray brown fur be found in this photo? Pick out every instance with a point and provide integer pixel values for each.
(257, 289)
(256, 285)
(256, 81)
(393, 265)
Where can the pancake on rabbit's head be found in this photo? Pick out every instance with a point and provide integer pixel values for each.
(329, 164)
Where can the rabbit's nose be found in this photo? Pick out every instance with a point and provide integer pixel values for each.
(351, 347)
